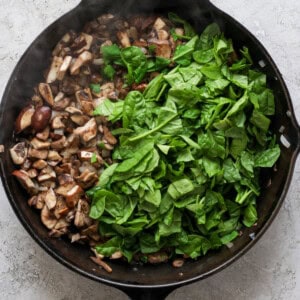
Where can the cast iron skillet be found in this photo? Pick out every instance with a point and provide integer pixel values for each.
(145, 282)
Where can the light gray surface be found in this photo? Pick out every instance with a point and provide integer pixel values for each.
(270, 270)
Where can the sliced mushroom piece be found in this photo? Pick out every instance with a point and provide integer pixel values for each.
(54, 69)
(62, 223)
(27, 164)
(41, 117)
(123, 38)
(50, 199)
(40, 164)
(74, 195)
(56, 233)
(44, 134)
(63, 189)
(108, 136)
(72, 146)
(133, 33)
(61, 208)
(87, 179)
(37, 201)
(79, 119)
(66, 183)
(65, 179)
(88, 42)
(65, 39)
(48, 218)
(158, 257)
(69, 85)
(76, 237)
(26, 181)
(87, 107)
(140, 43)
(73, 110)
(92, 232)
(24, 118)
(62, 104)
(59, 97)
(83, 95)
(63, 168)
(32, 173)
(159, 24)
(37, 154)
(179, 31)
(57, 123)
(38, 144)
(82, 214)
(47, 174)
(162, 47)
(88, 131)
(98, 62)
(59, 144)
(46, 93)
(83, 58)
(162, 34)
(85, 155)
(47, 184)
(18, 153)
(64, 67)
(54, 155)
(107, 89)
(116, 255)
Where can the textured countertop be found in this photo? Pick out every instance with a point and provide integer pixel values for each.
(270, 270)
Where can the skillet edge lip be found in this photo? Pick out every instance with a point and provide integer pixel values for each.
(122, 284)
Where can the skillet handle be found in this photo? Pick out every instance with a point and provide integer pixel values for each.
(202, 3)
(147, 294)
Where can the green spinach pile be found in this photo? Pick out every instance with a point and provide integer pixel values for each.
(185, 176)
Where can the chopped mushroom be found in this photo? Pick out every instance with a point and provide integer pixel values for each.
(64, 67)
(83, 58)
(50, 199)
(108, 136)
(40, 164)
(87, 131)
(38, 144)
(26, 181)
(24, 118)
(44, 134)
(46, 93)
(18, 153)
(82, 214)
(54, 69)
(38, 154)
(61, 208)
(73, 196)
(48, 219)
(159, 24)
(123, 38)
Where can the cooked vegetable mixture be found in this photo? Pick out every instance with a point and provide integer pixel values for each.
(164, 129)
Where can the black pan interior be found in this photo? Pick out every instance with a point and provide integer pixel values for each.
(29, 72)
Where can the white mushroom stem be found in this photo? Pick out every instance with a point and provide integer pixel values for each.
(123, 38)
(64, 67)
(83, 58)
(54, 69)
